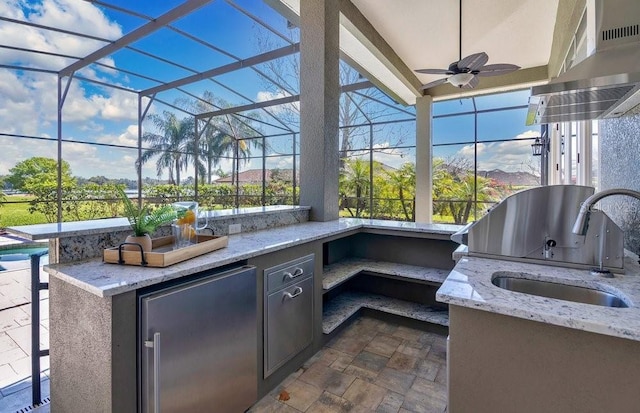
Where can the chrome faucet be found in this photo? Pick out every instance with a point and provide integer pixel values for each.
(582, 221)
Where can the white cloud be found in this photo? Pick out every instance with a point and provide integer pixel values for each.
(29, 104)
(265, 96)
(72, 151)
(121, 105)
(76, 15)
(128, 138)
(91, 126)
(118, 105)
(14, 151)
(509, 156)
(72, 15)
(30, 98)
(87, 161)
(11, 9)
(277, 163)
(18, 105)
(91, 72)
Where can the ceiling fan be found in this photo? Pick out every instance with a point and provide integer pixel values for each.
(465, 72)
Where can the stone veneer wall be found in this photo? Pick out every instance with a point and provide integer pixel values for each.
(620, 168)
(91, 246)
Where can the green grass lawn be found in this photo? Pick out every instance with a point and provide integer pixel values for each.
(442, 219)
(15, 211)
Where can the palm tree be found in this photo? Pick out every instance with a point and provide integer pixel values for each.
(236, 143)
(354, 180)
(463, 192)
(404, 182)
(209, 150)
(175, 144)
(443, 183)
(225, 135)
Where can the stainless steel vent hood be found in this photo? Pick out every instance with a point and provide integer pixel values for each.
(607, 82)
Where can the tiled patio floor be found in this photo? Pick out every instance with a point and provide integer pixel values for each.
(15, 334)
(371, 366)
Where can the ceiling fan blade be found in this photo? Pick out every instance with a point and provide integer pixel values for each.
(497, 69)
(474, 61)
(434, 71)
(434, 83)
(472, 83)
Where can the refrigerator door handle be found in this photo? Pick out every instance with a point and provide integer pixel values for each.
(155, 345)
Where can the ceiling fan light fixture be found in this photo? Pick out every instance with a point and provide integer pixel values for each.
(461, 79)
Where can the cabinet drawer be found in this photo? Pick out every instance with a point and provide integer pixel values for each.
(289, 323)
(288, 273)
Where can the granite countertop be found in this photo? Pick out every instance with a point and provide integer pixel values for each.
(469, 285)
(106, 280)
(99, 226)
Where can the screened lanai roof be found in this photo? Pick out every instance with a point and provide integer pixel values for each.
(240, 51)
(237, 58)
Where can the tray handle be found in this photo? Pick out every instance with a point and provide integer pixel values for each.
(121, 260)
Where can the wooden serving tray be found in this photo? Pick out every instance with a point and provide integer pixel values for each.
(162, 253)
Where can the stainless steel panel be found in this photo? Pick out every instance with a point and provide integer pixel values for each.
(288, 323)
(605, 83)
(537, 224)
(208, 359)
(288, 273)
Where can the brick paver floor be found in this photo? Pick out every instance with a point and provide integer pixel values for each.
(371, 366)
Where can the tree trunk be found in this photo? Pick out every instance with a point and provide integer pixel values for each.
(343, 153)
(456, 214)
(413, 211)
(467, 212)
(178, 171)
(404, 207)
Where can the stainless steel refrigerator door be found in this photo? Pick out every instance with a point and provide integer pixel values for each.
(198, 345)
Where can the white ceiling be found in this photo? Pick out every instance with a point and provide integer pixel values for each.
(424, 33)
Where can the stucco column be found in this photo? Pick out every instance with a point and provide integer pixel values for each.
(424, 173)
(319, 103)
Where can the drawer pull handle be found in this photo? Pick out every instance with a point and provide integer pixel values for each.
(296, 273)
(296, 293)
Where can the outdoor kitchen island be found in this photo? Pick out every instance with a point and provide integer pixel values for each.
(95, 309)
(510, 351)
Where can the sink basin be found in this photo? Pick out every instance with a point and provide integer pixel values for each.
(558, 291)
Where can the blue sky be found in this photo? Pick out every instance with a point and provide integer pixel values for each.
(93, 113)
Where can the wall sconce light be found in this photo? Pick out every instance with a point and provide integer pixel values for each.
(536, 147)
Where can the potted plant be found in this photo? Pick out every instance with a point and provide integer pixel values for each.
(144, 221)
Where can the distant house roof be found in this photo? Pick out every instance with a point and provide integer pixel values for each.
(254, 176)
